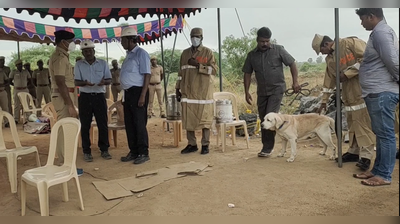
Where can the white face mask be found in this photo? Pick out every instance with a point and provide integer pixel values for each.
(195, 41)
(71, 46)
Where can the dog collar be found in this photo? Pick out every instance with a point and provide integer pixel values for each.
(282, 125)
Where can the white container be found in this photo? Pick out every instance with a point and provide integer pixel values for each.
(174, 108)
(223, 111)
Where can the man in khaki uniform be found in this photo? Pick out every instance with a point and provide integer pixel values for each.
(31, 85)
(116, 85)
(361, 137)
(41, 78)
(21, 79)
(157, 75)
(62, 84)
(6, 70)
(3, 93)
(195, 88)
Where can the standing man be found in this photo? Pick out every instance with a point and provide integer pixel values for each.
(361, 137)
(92, 75)
(6, 70)
(195, 88)
(62, 84)
(21, 78)
(157, 75)
(41, 78)
(116, 85)
(266, 61)
(3, 93)
(31, 85)
(135, 79)
(379, 80)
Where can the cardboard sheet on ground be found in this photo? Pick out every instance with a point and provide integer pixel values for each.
(143, 181)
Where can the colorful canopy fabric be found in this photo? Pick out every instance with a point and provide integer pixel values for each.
(20, 30)
(106, 13)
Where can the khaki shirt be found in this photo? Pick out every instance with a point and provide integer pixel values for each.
(42, 77)
(156, 72)
(59, 65)
(351, 55)
(115, 75)
(6, 71)
(20, 78)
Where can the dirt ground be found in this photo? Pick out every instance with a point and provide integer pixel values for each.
(311, 186)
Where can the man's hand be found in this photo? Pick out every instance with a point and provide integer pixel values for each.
(101, 83)
(89, 83)
(343, 77)
(296, 87)
(178, 95)
(72, 111)
(193, 62)
(322, 107)
(249, 99)
(141, 101)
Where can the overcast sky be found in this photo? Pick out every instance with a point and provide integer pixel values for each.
(292, 27)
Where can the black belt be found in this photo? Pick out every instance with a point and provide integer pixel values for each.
(154, 84)
(93, 94)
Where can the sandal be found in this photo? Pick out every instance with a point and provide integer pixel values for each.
(364, 176)
(375, 181)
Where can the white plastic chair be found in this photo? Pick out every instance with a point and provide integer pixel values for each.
(49, 175)
(11, 155)
(114, 126)
(28, 105)
(221, 127)
(49, 112)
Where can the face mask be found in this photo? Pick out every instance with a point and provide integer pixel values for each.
(196, 41)
(71, 46)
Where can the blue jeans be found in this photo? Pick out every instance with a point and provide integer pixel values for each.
(381, 108)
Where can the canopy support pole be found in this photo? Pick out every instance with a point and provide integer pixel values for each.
(338, 91)
(219, 49)
(18, 50)
(172, 57)
(107, 51)
(162, 63)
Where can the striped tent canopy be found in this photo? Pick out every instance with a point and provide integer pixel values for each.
(106, 13)
(20, 30)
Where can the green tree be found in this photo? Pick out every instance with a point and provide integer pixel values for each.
(235, 51)
(310, 60)
(171, 62)
(319, 59)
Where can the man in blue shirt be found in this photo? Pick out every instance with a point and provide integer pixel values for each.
(379, 80)
(92, 75)
(135, 79)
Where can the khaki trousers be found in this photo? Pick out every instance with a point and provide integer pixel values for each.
(205, 140)
(42, 91)
(17, 103)
(3, 100)
(115, 91)
(152, 90)
(8, 90)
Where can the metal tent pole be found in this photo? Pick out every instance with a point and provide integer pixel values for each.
(338, 91)
(162, 57)
(219, 49)
(19, 54)
(172, 57)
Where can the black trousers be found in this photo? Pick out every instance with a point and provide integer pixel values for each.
(267, 104)
(89, 105)
(136, 121)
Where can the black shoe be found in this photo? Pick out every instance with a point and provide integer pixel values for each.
(16, 122)
(349, 157)
(141, 159)
(7, 125)
(128, 157)
(88, 157)
(397, 154)
(204, 150)
(149, 116)
(189, 149)
(364, 164)
(163, 116)
(106, 155)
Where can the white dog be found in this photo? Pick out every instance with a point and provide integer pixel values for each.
(292, 127)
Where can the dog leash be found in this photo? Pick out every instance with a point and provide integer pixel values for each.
(304, 92)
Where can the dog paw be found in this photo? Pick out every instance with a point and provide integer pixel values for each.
(290, 160)
(281, 155)
(322, 153)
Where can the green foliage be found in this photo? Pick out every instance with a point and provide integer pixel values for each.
(319, 59)
(307, 67)
(236, 49)
(171, 61)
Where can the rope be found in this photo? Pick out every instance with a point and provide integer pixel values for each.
(240, 22)
(304, 92)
